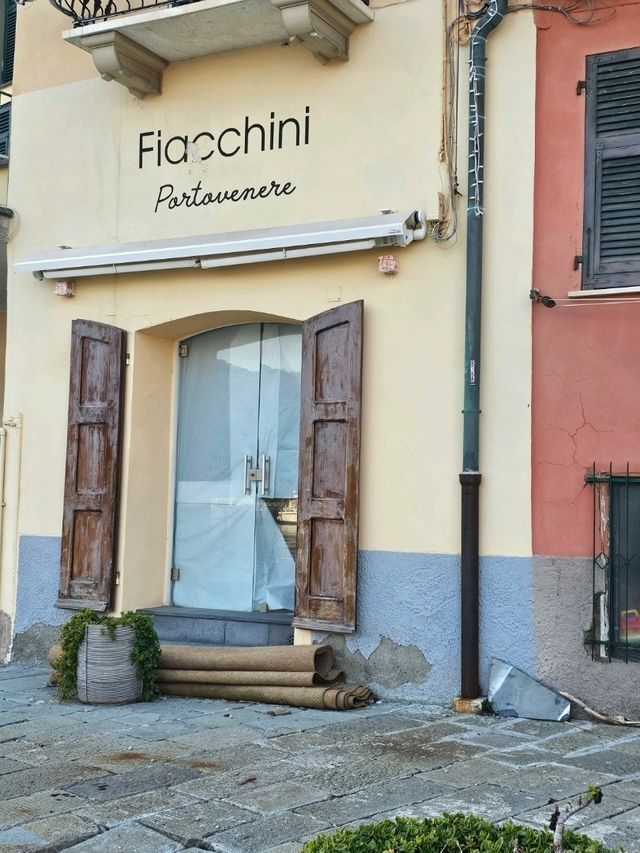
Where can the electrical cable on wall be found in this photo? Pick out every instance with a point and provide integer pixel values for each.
(579, 12)
(457, 33)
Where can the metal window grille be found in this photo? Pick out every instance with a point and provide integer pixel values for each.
(615, 629)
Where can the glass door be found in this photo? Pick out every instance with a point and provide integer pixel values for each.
(237, 468)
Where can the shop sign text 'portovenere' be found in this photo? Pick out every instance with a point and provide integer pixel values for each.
(157, 151)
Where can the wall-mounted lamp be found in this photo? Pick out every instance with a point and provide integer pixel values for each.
(536, 296)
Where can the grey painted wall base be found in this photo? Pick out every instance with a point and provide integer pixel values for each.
(534, 612)
(409, 621)
(37, 623)
(563, 612)
(408, 637)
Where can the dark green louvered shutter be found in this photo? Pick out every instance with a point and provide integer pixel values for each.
(611, 240)
(8, 41)
(5, 129)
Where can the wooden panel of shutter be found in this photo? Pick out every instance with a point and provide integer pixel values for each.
(327, 544)
(611, 240)
(89, 525)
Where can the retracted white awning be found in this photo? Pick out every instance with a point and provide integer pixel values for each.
(231, 248)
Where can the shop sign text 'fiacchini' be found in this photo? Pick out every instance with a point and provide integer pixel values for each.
(154, 151)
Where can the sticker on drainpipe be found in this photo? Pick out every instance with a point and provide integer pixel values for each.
(472, 372)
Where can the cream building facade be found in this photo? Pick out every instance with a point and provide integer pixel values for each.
(94, 164)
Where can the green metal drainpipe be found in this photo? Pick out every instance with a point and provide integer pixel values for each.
(489, 18)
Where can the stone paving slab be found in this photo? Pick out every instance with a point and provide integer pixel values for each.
(121, 754)
(545, 728)
(164, 730)
(287, 847)
(210, 774)
(617, 762)
(348, 778)
(108, 752)
(217, 738)
(578, 741)
(326, 757)
(620, 830)
(9, 718)
(189, 824)
(227, 783)
(63, 831)
(554, 780)
(114, 812)
(503, 739)
(524, 756)
(493, 802)
(423, 755)
(373, 800)
(628, 789)
(609, 807)
(278, 797)
(135, 782)
(43, 804)
(260, 835)
(31, 781)
(130, 839)
(629, 745)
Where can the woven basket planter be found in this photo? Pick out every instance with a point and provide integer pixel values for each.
(106, 675)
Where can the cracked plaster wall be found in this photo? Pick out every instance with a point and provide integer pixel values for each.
(562, 589)
(586, 372)
(407, 643)
(586, 356)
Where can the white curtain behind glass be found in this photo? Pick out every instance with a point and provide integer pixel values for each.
(278, 436)
(239, 394)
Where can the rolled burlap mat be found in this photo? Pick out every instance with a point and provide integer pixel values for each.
(257, 678)
(248, 658)
(343, 697)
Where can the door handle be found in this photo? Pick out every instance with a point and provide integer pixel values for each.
(265, 464)
(257, 475)
(247, 474)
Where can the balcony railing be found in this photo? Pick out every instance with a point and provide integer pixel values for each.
(89, 11)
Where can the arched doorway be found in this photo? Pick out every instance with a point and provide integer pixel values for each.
(237, 468)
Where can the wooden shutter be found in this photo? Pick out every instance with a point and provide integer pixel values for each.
(5, 128)
(9, 40)
(327, 544)
(611, 240)
(89, 525)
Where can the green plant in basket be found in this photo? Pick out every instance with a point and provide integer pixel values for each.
(145, 654)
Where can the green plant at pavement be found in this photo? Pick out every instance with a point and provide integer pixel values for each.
(145, 654)
(451, 833)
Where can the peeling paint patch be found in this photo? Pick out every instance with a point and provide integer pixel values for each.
(390, 664)
(32, 645)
